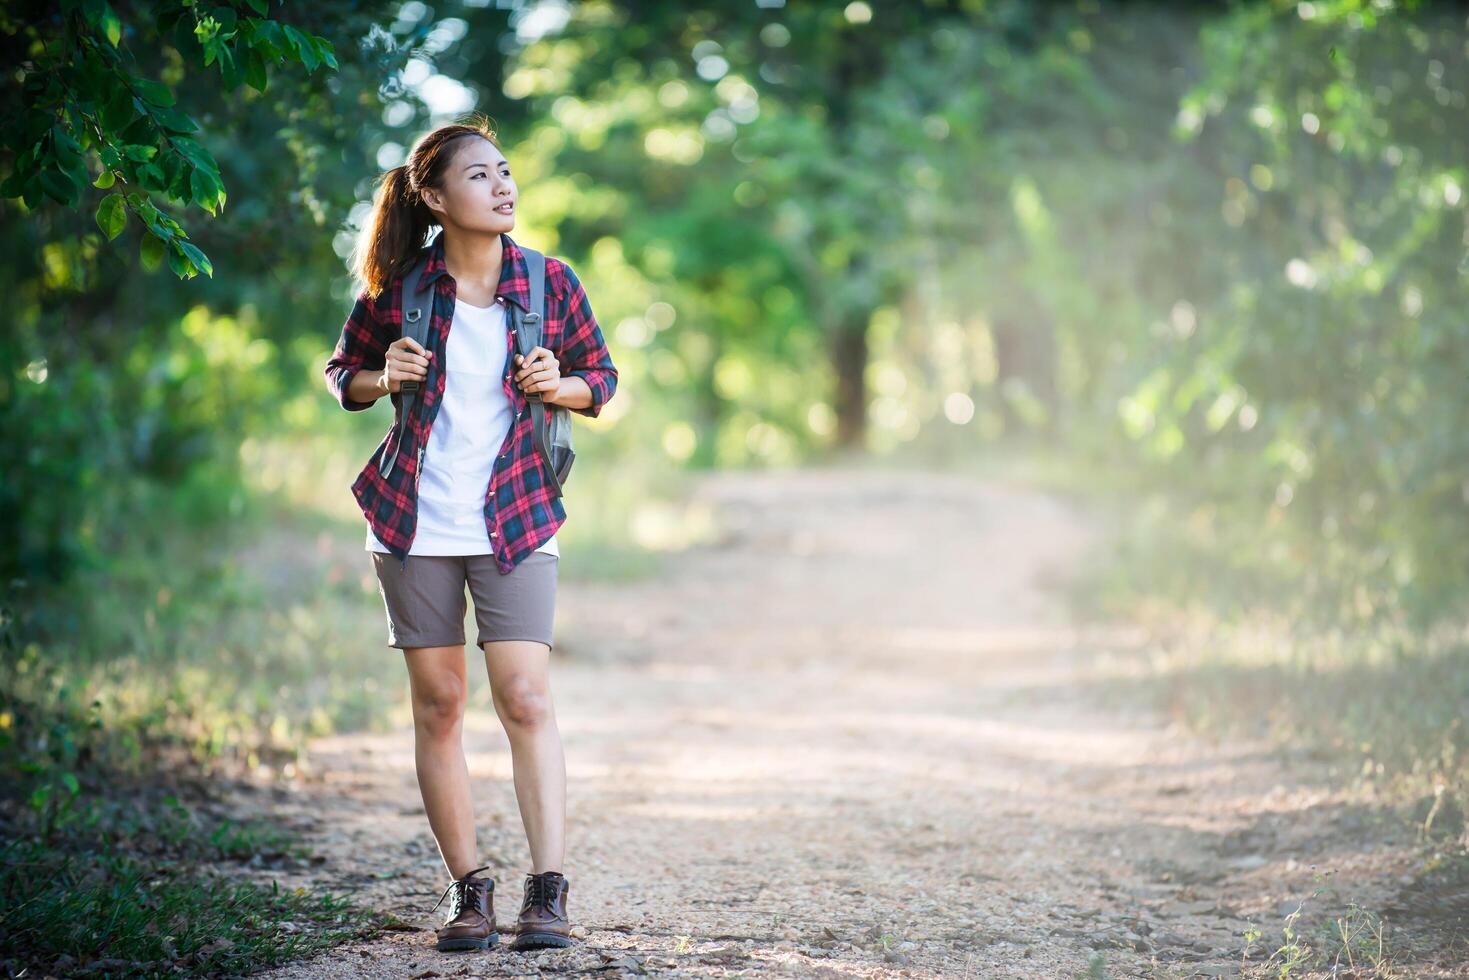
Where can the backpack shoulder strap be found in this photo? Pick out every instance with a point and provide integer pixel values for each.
(418, 308)
(535, 267)
(527, 337)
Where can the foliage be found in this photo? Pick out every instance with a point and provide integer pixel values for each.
(1335, 354)
(114, 385)
(107, 868)
(82, 92)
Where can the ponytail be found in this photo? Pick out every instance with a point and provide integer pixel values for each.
(400, 222)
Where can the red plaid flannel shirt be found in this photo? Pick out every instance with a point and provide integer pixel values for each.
(521, 510)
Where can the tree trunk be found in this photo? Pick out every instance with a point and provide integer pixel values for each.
(849, 358)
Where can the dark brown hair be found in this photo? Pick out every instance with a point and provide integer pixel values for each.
(400, 221)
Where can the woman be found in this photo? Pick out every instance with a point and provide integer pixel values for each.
(468, 500)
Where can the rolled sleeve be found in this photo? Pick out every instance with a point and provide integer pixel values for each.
(584, 352)
(361, 346)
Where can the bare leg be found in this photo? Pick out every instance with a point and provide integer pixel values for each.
(439, 693)
(521, 687)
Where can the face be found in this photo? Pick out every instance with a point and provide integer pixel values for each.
(478, 192)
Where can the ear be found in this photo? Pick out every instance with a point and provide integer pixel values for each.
(431, 199)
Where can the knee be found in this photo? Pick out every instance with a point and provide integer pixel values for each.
(524, 705)
(439, 711)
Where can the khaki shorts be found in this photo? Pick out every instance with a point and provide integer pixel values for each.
(425, 599)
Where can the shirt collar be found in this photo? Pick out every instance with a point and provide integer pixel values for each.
(514, 277)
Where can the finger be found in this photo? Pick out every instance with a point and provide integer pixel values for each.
(408, 343)
(409, 366)
(546, 364)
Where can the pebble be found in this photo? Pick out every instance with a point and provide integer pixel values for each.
(1248, 862)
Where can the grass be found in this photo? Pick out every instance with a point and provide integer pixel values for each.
(113, 862)
(95, 908)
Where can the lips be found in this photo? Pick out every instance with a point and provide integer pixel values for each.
(506, 208)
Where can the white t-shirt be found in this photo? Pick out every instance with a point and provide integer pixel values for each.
(473, 420)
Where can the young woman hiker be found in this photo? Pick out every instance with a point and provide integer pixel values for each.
(466, 499)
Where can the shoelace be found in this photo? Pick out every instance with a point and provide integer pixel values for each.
(461, 888)
(541, 890)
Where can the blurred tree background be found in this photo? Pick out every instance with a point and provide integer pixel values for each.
(1208, 257)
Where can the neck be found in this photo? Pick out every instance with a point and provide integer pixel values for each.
(474, 258)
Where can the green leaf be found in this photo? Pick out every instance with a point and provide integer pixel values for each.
(197, 258)
(73, 785)
(101, 15)
(150, 251)
(230, 69)
(139, 152)
(255, 74)
(152, 178)
(112, 215)
(154, 93)
(68, 151)
(60, 187)
(111, 25)
(118, 110)
(303, 47)
(195, 152)
(105, 179)
(174, 121)
(261, 7)
(269, 36)
(178, 177)
(178, 264)
(205, 189)
(326, 51)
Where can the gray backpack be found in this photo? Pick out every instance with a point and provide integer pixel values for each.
(552, 437)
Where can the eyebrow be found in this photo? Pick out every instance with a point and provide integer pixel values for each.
(473, 165)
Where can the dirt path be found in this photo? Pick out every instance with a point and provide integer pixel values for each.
(855, 738)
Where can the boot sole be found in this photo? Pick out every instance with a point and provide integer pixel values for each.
(540, 940)
(467, 942)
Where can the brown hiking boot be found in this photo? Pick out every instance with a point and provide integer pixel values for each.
(471, 922)
(543, 919)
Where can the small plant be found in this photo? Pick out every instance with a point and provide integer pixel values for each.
(1354, 940)
(1358, 938)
